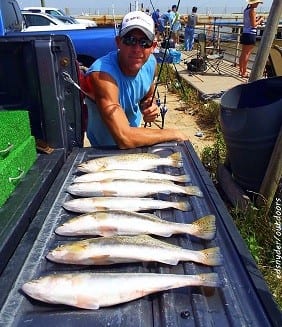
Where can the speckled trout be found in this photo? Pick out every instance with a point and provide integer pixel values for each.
(120, 222)
(131, 188)
(93, 290)
(135, 161)
(120, 203)
(130, 174)
(125, 249)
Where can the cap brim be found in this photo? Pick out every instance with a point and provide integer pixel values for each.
(149, 34)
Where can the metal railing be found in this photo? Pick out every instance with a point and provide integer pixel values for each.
(226, 37)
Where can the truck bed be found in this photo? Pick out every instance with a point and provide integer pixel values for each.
(242, 300)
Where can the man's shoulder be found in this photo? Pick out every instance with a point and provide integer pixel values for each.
(152, 60)
(106, 60)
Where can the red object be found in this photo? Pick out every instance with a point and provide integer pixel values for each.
(85, 86)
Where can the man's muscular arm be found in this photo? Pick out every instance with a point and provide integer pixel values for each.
(106, 96)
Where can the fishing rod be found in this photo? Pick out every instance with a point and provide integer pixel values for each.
(115, 22)
(164, 56)
(151, 2)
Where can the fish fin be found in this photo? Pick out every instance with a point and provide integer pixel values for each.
(211, 257)
(176, 159)
(168, 234)
(183, 206)
(210, 280)
(182, 178)
(107, 231)
(109, 193)
(193, 190)
(107, 179)
(103, 260)
(85, 302)
(204, 227)
(172, 262)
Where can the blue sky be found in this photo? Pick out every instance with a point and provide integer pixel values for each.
(121, 6)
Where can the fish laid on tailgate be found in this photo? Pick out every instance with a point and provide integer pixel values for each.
(120, 222)
(92, 291)
(131, 188)
(135, 161)
(140, 175)
(115, 203)
(124, 249)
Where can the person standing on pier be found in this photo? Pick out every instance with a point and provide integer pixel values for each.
(159, 28)
(190, 30)
(248, 37)
(167, 18)
(175, 24)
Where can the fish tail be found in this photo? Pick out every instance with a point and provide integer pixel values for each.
(176, 159)
(193, 190)
(182, 178)
(210, 280)
(183, 206)
(211, 257)
(205, 227)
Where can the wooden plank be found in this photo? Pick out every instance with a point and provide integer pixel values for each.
(273, 174)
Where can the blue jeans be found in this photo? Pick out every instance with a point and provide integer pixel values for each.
(188, 38)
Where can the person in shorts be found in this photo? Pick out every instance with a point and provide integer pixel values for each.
(248, 37)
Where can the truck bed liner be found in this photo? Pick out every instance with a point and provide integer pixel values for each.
(242, 300)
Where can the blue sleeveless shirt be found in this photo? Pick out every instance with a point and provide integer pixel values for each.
(132, 89)
(248, 28)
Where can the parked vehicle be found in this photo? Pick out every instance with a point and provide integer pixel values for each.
(89, 44)
(68, 20)
(60, 14)
(46, 22)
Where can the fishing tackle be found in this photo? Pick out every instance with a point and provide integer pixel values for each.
(163, 111)
(161, 67)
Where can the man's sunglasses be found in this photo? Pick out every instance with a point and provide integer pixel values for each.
(132, 40)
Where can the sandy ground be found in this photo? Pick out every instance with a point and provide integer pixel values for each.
(180, 116)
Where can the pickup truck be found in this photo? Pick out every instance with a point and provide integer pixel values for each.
(89, 44)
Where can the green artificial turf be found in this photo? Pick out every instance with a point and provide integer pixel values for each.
(14, 130)
(14, 163)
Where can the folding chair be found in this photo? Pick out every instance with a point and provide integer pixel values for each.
(212, 56)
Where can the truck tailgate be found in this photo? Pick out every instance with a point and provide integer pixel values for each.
(242, 300)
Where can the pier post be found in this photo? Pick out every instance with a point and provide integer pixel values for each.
(267, 40)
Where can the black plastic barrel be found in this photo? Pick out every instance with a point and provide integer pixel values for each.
(250, 118)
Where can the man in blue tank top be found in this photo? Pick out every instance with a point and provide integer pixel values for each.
(121, 85)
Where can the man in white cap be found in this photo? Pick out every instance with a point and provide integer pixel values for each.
(122, 84)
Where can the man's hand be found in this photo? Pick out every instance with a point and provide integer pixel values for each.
(150, 112)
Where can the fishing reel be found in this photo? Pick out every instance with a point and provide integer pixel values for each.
(168, 44)
(163, 108)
